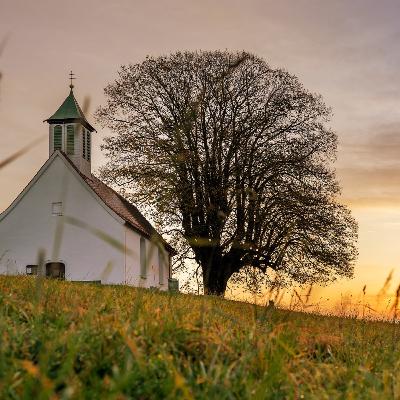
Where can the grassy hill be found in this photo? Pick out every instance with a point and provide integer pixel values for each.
(65, 340)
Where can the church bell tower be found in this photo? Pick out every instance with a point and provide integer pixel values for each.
(71, 133)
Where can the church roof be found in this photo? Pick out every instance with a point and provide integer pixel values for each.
(70, 111)
(122, 207)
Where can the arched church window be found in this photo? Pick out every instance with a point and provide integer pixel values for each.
(57, 137)
(70, 139)
(55, 270)
(143, 258)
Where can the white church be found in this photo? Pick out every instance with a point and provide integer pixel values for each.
(84, 229)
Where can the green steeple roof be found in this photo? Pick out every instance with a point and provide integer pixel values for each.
(69, 111)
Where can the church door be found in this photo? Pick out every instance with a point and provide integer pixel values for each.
(55, 270)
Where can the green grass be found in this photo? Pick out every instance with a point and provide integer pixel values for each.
(69, 340)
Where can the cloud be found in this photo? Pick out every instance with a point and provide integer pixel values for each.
(369, 169)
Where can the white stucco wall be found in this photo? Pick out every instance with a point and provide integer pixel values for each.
(132, 263)
(30, 226)
(132, 258)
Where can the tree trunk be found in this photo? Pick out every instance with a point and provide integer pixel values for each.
(215, 280)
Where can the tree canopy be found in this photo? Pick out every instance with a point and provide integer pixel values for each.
(235, 160)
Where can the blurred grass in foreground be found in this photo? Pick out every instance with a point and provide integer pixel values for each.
(70, 340)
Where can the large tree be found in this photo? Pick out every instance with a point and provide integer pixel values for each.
(236, 159)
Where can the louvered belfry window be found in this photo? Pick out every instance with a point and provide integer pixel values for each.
(57, 138)
(88, 146)
(70, 140)
(83, 143)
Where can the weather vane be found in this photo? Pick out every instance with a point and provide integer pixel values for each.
(71, 77)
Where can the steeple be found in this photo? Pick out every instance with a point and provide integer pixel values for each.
(70, 132)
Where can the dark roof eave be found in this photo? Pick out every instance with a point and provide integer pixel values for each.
(70, 120)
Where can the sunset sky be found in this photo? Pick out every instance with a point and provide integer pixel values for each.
(348, 51)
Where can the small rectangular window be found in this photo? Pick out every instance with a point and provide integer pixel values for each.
(32, 269)
(56, 208)
(143, 258)
(161, 266)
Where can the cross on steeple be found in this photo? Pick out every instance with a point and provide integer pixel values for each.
(70, 132)
(71, 77)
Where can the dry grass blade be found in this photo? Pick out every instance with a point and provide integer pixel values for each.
(386, 285)
(308, 294)
(396, 303)
(3, 44)
(39, 276)
(383, 292)
(22, 151)
(298, 297)
(86, 105)
(2, 47)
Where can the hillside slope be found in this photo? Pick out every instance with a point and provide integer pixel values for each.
(69, 340)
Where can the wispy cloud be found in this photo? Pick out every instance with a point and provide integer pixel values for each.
(370, 168)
